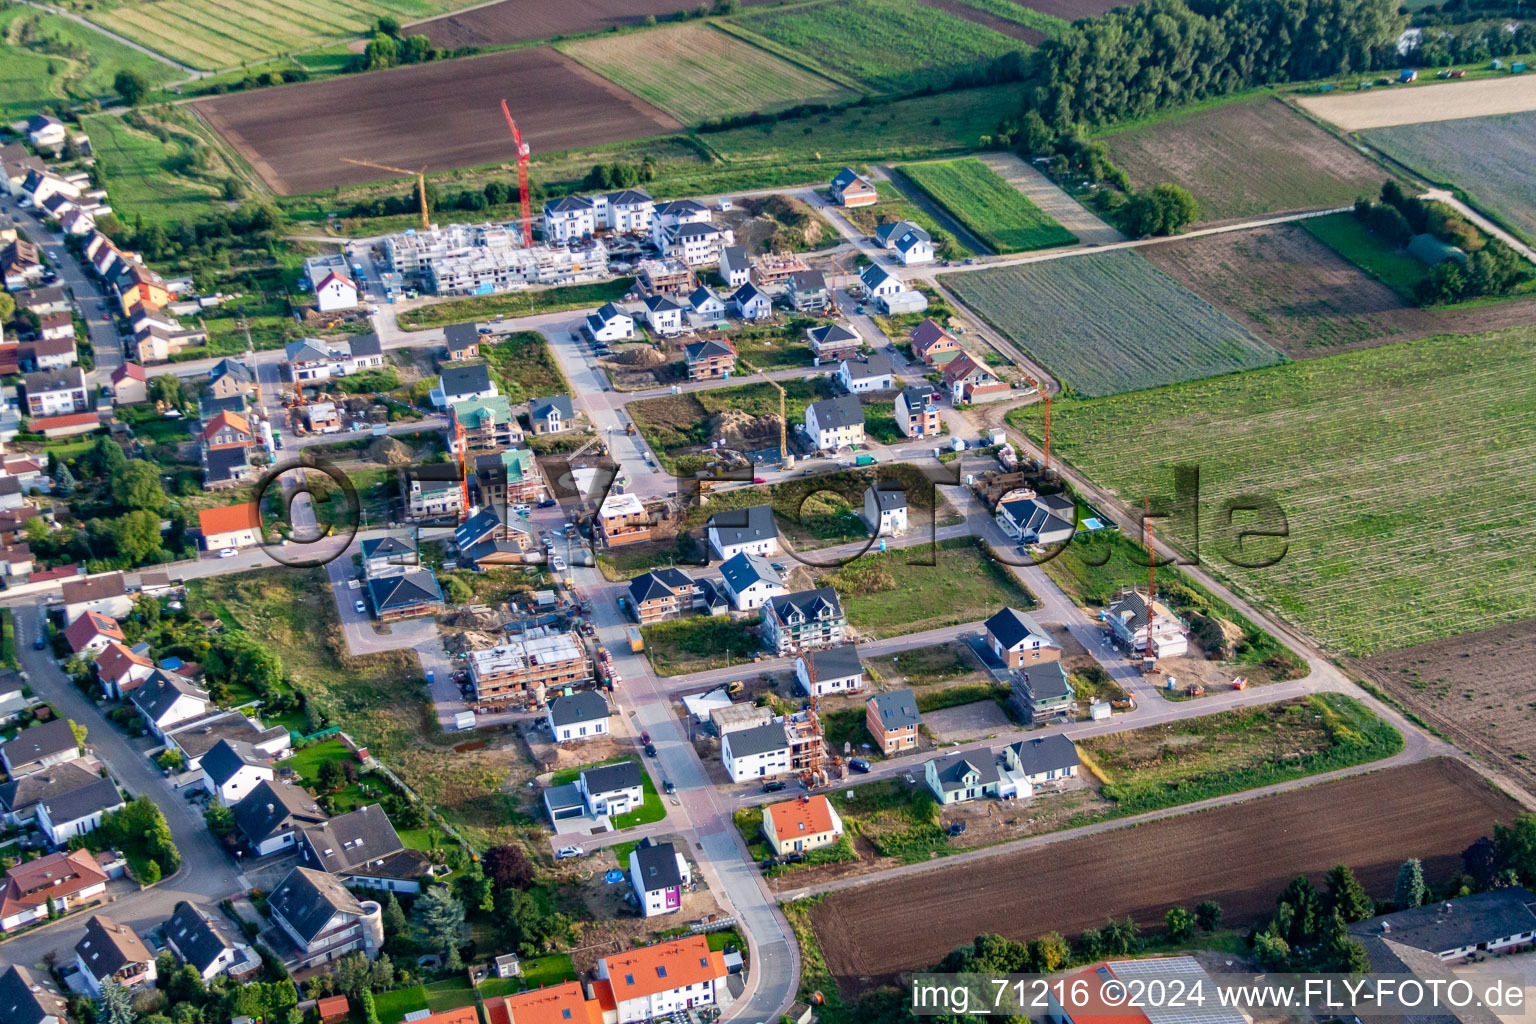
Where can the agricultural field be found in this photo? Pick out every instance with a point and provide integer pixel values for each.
(886, 45)
(1489, 158)
(990, 208)
(511, 21)
(1475, 688)
(1428, 101)
(1430, 810)
(1011, 19)
(697, 73)
(143, 174)
(52, 59)
(1070, 10)
(1249, 157)
(892, 207)
(214, 34)
(417, 116)
(1110, 322)
(1341, 444)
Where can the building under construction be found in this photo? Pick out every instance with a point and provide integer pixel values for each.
(518, 673)
(483, 259)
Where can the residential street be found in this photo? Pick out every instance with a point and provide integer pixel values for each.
(106, 346)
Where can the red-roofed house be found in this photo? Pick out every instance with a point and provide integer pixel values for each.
(565, 1003)
(121, 670)
(665, 978)
(933, 344)
(64, 426)
(969, 381)
(91, 632)
(66, 880)
(227, 430)
(233, 526)
(800, 825)
(335, 292)
(130, 384)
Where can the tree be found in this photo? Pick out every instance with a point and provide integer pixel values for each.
(107, 457)
(136, 535)
(395, 922)
(382, 51)
(370, 1012)
(441, 917)
(476, 890)
(1516, 846)
(115, 1006)
(332, 776)
(1208, 915)
(1481, 861)
(1301, 908)
(508, 867)
(63, 486)
(1346, 896)
(412, 815)
(354, 974)
(166, 387)
(1049, 953)
(7, 306)
(1180, 924)
(220, 819)
(1410, 890)
(1272, 951)
(131, 86)
(37, 529)
(137, 486)
(381, 976)
(80, 732)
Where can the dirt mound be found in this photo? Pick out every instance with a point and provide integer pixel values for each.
(641, 356)
(386, 451)
(737, 427)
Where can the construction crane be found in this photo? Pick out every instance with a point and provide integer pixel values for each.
(458, 438)
(1149, 653)
(812, 773)
(421, 183)
(522, 175)
(783, 414)
(1045, 440)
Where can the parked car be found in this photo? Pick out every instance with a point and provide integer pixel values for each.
(858, 764)
(41, 643)
(228, 553)
(773, 787)
(669, 787)
(794, 858)
(645, 737)
(522, 509)
(567, 852)
(650, 750)
(485, 330)
(768, 862)
(359, 607)
(547, 503)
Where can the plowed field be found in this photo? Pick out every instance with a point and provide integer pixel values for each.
(1241, 855)
(516, 21)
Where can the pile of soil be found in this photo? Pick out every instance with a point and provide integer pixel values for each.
(736, 427)
(386, 451)
(470, 640)
(640, 357)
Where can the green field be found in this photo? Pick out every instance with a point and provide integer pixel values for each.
(892, 207)
(1382, 553)
(136, 167)
(215, 34)
(887, 45)
(1489, 158)
(696, 644)
(696, 73)
(1347, 236)
(82, 62)
(1110, 322)
(524, 367)
(990, 208)
(673, 423)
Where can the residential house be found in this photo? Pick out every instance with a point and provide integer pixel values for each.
(705, 306)
(523, 668)
(322, 919)
(610, 323)
(271, 816)
(388, 556)
(1019, 641)
(20, 797)
(230, 377)
(852, 189)
(750, 303)
(311, 360)
(933, 344)
(130, 384)
(892, 719)
(887, 233)
(461, 382)
(121, 670)
(485, 422)
(750, 581)
(917, 411)
(662, 594)
(710, 358)
(834, 423)
(24, 999)
(572, 1001)
(411, 593)
(664, 315)
(622, 519)
(112, 952)
(751, 530)
(331, 281)
(879, 282)
(195, 938)
(669, 977)
(195, 739)
(62, 881)
(16, 560)
(1038, 519)
(43, 300)
(969, 381)
(165, 699)
(862, 376)
(551, 415)
(224, 468)
(227, 430)
(568, 219)
(885, 508)
(756, 752)
(807, 823)
(833, 341)
(91, 633)
(913, 246)
(578, 716)
(156, 340)
(626, 212)
(45, 131)
(39, 747)
(232, 769)
(957, 778)
(62, 816)
(837, 670)
(735, 266)
(461, 342)
(808, 291)
(658, 874)
(321, 418)
(665, 277)
(19, 264)
(57, 392)
(803, 620)
(1493, 922)
(363, 849)
(606, 790)
(1043, 694)
(78, 223)
(432, 491)
(68, 425)
(508, 477)
(1041, 759)
(139, 287)
(230, 526)
(1147, 627)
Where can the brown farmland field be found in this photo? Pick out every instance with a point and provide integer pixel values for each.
(515, 21)
(1475, 687)
(441, 115)
(1071, 10)
(1254, 156)
(1305, 299)
(1241, 855)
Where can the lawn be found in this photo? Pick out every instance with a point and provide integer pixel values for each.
(891, 593)
(1347, 236)
(1345, 446)
(697, 643)
(886, 45)
(697, 73)
(926, 666)
(546, 970)
(1110, 322)
(49, 58)
(524, 367)
(880, 423)
(650, 810)
(672, 424)
(138, 169)
(1212, 755)
(895, 207)
(515, 304)
(393, 1006)
(990, 208)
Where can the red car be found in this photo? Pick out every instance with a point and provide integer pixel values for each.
(645, 737)
(759, 480)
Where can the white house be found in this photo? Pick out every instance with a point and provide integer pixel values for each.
(1038, 519)
(913, 246)
(695, 243)
(743, 530)
(664, 315)
(54, 882)
(75, 812)
(551, 415)
(750, 581)
(628, 211)
(363, 849)
(271, 816)
(165, 699)
(1040, 760)
(194, 938)
(879, 282)
(750, 303)
(885, 509)
(760, 752)
(230, 526)
(706, 305)
(610, 323)
(834, 423)
(959, 778)
(232, 768)
(608, 789)
(658, 875)
(332, 283)
(1138, 623)
(121, 669)
(569, 219)
(861, 376)
(838, 670)
(669, 977)
(735, 266)
(112, 952)
(46, 131)
(106, 594)
(579, 716)
(323, 920)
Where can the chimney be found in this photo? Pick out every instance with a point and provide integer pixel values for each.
(270, 808)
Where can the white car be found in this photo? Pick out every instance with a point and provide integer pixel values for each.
(559, 563)
(522, 510)
(360, 608)
(228, 553)
(567, 852)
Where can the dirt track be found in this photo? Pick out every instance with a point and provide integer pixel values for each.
(1437, 101)
(1241, 855)
(441, 115)
(516, 21)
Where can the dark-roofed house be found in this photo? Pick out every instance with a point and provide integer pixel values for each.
(757, 752)
(1041, 519)
(39, 747)
(834, 423)
(232, 768)
(226, 467)
(112, 952)
(106, 594)
(1018, 640)
(610, 323)
(269, 818)
(20, 796)
(861, 376)
(838, 670)
(664, 314)
(917, 411)
(808, 291)
(73, 812)
(851, 189)
(67, 880)
(579, 716)
(25, 999)
(885, 508)
(710, 358)
(957, 778)
(801, 621)
(415, 592)
(658, 873)
(194, 937)
(462, 341)
(388, 556)
(551, 415)
(1147, 627)
(1030, 763)
(195, 740)
(608, 789)
(750, 580)
(1042, 693)
(166, 699)
(892, 719)
(833, 341)
(662, 594)
(461, 382)
(705, 306)
(750, 303)
(322, 920)
(751, 530)
(363, 849)
(1487, 922)
(230, 377)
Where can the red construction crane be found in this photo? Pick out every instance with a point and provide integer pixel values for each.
(522, 174)
(458, 437)
(1045, 440)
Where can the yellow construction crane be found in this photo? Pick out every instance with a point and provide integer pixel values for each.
(421, 183)
(783, 415)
